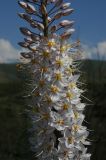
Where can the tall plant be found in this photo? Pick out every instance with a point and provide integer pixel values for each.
(50, 62)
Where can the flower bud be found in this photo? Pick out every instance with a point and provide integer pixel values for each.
(21, 15)
(58, 15)
(67, 33)
(22, 4)
(67, 12)
(34, 37)
(40, 26)
(25, 31)
(43, 10)
(30, 9)
(53, 28)
(23, 44)
(28, 40)
(33, 24)
(66, 23)
(65, 5)
(26, 55)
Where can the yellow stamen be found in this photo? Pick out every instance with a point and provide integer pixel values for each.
(58, 76)
(70, 70)
(76, 115)
(65, 106)
(42, 82)
(51, 43)
(72, 85)
(70, 140)
(60, 122)
(63, 49)
(44, 69)
(75, 128)
(46, 116)
(54, 89)
(69, 95)
(59, 63)
(46, 54)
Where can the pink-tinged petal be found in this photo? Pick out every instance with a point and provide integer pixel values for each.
(22, 4)
(58, 15)
(65, 23)
(25, 31)
(53, 28)
(65, 5)
(30, 9)
(23, 44)
(67, 12)
(67, 33)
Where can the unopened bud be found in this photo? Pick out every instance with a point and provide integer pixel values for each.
(53, 28)
(25, 31)
(40, 26)
(26, 55)
(66, 23)
(67, 12)
(23, 44)
(58, 15)
(67, 33)
(22, 4)
(65, 5)
(30, 9)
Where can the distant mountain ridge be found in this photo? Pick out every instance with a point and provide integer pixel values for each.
(91, 68)
(8, 73)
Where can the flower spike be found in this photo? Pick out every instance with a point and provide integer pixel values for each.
(54, 96)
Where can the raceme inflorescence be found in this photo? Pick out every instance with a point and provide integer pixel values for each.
(54, 96)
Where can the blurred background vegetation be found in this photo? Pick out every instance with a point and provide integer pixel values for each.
(14, 122)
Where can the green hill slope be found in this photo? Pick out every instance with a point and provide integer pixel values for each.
(13, 133)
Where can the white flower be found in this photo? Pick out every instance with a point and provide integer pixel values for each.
(65, 153)
(55, 104)
(84, 155)
(60, 122)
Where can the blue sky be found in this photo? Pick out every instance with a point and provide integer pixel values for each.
(89, 15)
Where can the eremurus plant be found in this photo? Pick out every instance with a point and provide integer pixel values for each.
(55, 103)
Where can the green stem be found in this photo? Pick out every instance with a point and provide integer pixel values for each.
(45, 19)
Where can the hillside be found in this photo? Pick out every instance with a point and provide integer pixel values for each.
(92, 69)
(13, 134)
(8, 73)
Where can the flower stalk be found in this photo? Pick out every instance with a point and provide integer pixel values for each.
(54, 97)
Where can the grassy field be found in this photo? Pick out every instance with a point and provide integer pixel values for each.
(14, 123)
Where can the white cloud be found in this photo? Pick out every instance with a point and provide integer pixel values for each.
(8, 53)
(95, 52)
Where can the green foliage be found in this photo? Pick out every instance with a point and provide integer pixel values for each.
(13, 122)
